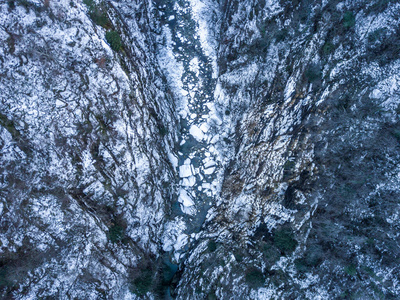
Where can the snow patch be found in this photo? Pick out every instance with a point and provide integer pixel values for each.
(190, 181)
(173, 159)
(185, 199)
(185, 171)
(196, 133)
(172, 231)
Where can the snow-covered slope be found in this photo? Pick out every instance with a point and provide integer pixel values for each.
(86, 180)
(199, 149)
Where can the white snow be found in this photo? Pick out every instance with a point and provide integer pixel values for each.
(206, 185)
(172, 231)
(190, 181)
(214, 139)
(185, 199)
(376, 94)
(181, 241)
(209, 171)
(194, 66)
(60, 103)
(202, 12)
(185, 171)
(204, 127)
(173, 159)
(208, 164)
(290, 88)
(174, 70)
(196, 133)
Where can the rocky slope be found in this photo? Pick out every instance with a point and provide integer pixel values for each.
(86, 180)
(199, 149)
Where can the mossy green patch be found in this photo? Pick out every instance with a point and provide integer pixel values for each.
(350, 270)
(98, 14)
(116, 233)
(328, 48)
(284, 240)
(254, 278)
(143, 283)
(114, 40)
(349, 19)
(212, 246)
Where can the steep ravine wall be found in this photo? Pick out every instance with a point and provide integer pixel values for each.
(309, 100)
(86, 127)
(199, 149)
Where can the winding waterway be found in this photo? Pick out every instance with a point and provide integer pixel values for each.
(189, 61)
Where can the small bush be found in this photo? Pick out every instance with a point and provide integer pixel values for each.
(301, 265)
(238, 256)
(114, 40)
(212, 246)
(143, 283)
(312, 258)
(377, 6)
(328, 48)
(349, 20)
(212, 296)
(101, 62)
(396, 135)
(100, 18)
(379, 42)
(11, 5)
(350, 270)
(259, 46)
(162, 129)
(116, 233)
(313, 73)
(383, 46)
(227, 141)
(4, 280)
(11, 44)
(314, 255)
(281, 35)
(369, 271)
(89, 3)
(270, 253)
(254, 278)
(289, 164)
(26, 4)
(98, 14)
(377, 35)
(284, 240)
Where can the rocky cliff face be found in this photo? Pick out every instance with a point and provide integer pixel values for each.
(199, 149)
(87, 125)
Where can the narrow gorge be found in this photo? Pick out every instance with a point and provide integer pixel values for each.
(199, 149)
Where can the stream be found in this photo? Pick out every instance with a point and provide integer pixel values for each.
(190, 66)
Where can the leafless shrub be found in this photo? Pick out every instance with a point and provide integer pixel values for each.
(101, 62)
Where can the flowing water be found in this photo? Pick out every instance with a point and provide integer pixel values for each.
(192, 78)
